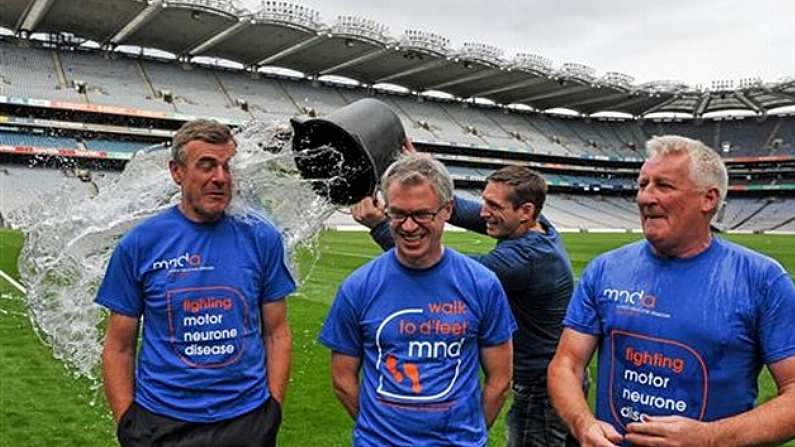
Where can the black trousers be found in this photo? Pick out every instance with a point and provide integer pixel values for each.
(139, 427)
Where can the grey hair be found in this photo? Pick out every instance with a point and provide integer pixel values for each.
(209, 131)
(706, 167)
(418, 169)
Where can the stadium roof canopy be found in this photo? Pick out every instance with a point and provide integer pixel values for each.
(292, 36)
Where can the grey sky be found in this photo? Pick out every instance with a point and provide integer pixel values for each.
(691, 41)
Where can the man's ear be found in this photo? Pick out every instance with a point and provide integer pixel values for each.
(710, 201)
(447, 211)
(526, 211)
(176, 172)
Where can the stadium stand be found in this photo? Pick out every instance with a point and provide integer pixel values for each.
(322, 100)
(163, 93)
(32, 73)
(36, 140)
(265, 97)
(193, 90)
(439, 121)
(101, 144)
(115, 81)
(481, 126)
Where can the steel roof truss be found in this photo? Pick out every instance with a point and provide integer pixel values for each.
(661, 105)
(702, 105)
(140, 20)
(750, 103)
(426, 66)
(288, 51)
(30, 20)
(218, 38)
(596, 100)
(486, 72)
(563, 91)
(355, 61)
(513, 86)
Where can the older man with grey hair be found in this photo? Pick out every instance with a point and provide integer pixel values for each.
(419, 321)
(684, 322)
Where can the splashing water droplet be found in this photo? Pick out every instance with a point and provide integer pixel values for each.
(69, 238)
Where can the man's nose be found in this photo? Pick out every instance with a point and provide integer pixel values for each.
(221, 175)
(484, 212)
(409, 224)
(645, 195)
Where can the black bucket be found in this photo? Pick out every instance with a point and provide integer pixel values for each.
(366, 137)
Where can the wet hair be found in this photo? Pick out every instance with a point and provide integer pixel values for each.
(416, 170)
(706, 167)
(526, 185)
(209, 131)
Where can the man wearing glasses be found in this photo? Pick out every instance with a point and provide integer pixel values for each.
(419, 321)
(534, 269)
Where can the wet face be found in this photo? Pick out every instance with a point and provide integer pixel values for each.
(204, 179)
(503, 221)
(674, 212)
(416, 220)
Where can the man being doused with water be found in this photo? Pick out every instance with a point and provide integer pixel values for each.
(419, 322)
(210, 287)
(684, 322)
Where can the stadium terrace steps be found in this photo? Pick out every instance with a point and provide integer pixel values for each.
(193, 90)
(37, 140)
(322, 100)
(265, 96)
(117, 82)
(753, 213)
(774, 213)
(558, 210)
(30, 73)
(486, 129)
(120, 80)
(431, 113)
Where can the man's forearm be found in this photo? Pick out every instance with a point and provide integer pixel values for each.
(119, 381)
(494, 394)
(279, 348)
(568, 398)
(347, 391)
(768, 424)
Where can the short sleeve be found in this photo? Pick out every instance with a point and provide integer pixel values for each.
(341, 332)
(583, 313)
(497, 324)
(776, 319)
(279, 281)
(120, 290)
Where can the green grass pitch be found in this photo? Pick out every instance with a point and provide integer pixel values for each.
(42, 404)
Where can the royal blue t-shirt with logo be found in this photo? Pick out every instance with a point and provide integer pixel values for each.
(199, 288)
(685, 337)
(418, 333)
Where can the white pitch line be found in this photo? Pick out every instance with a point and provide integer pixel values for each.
(13, 282)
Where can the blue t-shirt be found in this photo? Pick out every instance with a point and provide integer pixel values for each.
(536, 274)
(685, 337)
(199, 288)
(418, 333)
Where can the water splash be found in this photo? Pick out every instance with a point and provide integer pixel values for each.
(69, 237)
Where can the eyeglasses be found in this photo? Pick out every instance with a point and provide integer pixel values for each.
(420, 217)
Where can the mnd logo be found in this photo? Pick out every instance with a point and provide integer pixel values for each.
(635, 302)
(420, 350)
(631, 298)
(185, 262)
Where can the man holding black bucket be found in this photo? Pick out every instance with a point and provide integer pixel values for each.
(215, 355)
(418, 322)
(533, 267)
